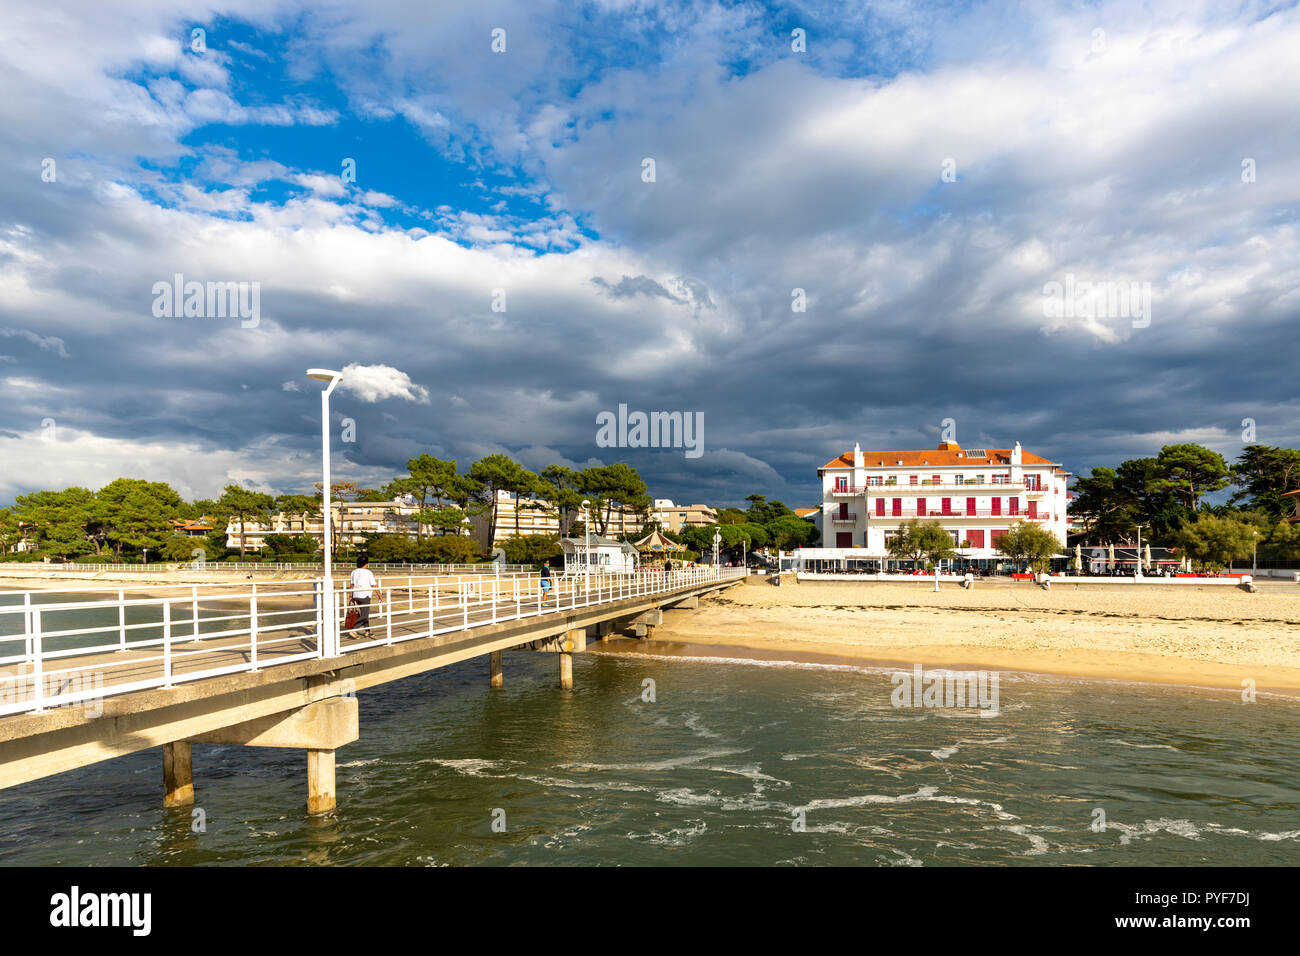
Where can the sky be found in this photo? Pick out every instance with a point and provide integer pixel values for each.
(805, 225)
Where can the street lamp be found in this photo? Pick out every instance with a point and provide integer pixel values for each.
(1254, 553)
(744, 554)
(717, 538)
(586, 557)
(1139, 550)
(329, 640)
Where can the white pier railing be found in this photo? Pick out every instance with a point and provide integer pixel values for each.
(78, 646)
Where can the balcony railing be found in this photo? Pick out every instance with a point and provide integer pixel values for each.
(963, 513)
(967, 486)
(846, 490)
(847, 518)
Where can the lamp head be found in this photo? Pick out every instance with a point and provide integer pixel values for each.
(325, 375)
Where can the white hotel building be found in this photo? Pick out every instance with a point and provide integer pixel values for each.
(976, 493)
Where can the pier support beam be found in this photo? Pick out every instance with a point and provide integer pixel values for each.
(320, 781)
(643, 625)
(496, 677)
(320, 728)
(178, 774)
(604, 629)
(574, 639)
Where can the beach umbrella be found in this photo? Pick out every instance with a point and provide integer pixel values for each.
(1110, 559)
(1078, 557)
(1146, 556)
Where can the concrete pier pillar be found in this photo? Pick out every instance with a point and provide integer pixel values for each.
(320, 781)
(178, 774)
(566, 670)
(497, 678)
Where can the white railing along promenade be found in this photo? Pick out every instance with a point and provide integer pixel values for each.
(62, 648)
(233, 567)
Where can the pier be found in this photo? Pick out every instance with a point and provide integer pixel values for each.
(94, 675)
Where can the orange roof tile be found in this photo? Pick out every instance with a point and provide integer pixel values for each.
(935, 456)
(805, 512)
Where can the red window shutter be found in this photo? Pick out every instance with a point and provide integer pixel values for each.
(1033, 509)
(947, 506)
(920, 506)
(843, 539)
(997, 506)
(995, 537)
(880, 507)
(1014, 505)
(970, 507)
(937, 478)
(898, 507)
(844, 509)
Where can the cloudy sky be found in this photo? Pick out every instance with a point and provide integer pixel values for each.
(470, 230)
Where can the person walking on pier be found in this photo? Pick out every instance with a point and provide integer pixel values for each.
(364, 586)
(546, 581)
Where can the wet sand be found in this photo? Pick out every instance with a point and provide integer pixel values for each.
(1198, 636)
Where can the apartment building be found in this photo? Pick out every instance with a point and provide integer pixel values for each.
(976, 493)
(539, 516)
(352, 521)
(674, 518)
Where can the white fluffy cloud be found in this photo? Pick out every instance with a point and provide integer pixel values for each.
(374, 383)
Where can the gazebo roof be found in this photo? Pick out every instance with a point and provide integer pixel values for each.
(656, 541)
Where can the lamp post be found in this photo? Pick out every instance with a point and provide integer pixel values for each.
(586, 557)
(329, 639)
(717, 539)
(1139, 550)
(744, 554)
(1254, 553)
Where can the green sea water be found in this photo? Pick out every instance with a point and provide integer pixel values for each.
(733, 762)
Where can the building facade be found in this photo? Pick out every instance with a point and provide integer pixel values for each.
(674, 518)
(539, 516)
(353, 520)
(975, 493)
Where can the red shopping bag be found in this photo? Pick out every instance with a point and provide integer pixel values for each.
(350, 621)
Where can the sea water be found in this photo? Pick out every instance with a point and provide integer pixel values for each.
(713, 762)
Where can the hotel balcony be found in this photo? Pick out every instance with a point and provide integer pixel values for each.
(963, 513)
(969, 487)
(843, 490)
(850, 518)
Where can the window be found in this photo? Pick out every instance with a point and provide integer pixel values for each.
(898, 507)
(920, 507)
(841, 484)
(960, 479)
(874, 480)
(1015, 505)
(913, 479)
(880, 507)
(979, 479)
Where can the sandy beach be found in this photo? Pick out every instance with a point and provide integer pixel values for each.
(1202, 636)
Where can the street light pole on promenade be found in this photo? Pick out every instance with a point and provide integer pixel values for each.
(586, 559)
(329, 639)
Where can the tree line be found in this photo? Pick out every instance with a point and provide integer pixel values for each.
(1163, 495)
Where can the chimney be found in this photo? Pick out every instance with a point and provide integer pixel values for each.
(857, 455)
(1015, 454)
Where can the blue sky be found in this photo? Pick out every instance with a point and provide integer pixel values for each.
(922, 174)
